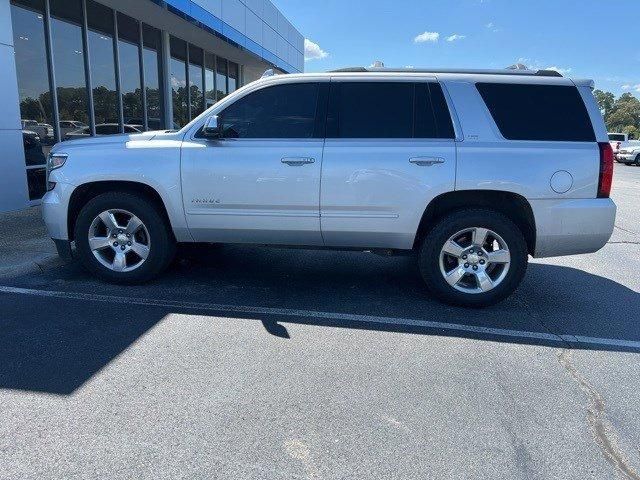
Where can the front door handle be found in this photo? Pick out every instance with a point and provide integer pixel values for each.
(426, 161)
(298, 161)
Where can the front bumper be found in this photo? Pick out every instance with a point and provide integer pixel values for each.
(55, 210)
(572, 227)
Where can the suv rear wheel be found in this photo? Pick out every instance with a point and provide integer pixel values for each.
(123, 238)
(473, 258)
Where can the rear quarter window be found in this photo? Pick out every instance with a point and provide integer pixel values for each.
(538, 112)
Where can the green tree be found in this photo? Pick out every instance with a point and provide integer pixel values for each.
(625, 114)
(622, 115)
(634, 132)
(605, 101)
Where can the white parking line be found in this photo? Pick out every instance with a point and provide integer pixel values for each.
(218, 308)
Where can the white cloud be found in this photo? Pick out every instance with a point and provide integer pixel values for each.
(312, 51)
(563, 71)
(629, 87)
(427, 37)
(492, 26)
(175, 83)
(455, 37)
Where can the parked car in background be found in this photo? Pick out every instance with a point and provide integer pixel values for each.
(33, 152)
(469, 171)
(103, 129)
(44, 130)
(153, 123)
(68, 126)
(629, 155)
(621, 141)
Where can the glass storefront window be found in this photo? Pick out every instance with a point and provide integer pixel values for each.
(103, 68)
(152, 62)
(221, 78)
(36, 110)
(197, 78)
(210, 78)
(178, 72)
(68, 55)
(130, 83)
(196, 87)
(234, 77)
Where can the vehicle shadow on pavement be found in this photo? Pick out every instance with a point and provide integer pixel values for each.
(55, 345)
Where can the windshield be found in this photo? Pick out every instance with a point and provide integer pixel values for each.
(616, 137)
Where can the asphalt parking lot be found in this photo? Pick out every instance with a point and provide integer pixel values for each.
(247, 363)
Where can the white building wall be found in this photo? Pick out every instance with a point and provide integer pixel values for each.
(13, 181)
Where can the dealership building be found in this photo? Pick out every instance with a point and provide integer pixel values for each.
(76, 68)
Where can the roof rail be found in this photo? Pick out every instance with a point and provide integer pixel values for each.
(538, 73)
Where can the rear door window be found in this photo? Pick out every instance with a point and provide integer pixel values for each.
(370, 110)
(388, 110)
(432, 117)
(538, 112)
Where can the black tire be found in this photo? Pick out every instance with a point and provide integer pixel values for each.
(162, 243)
(439, 235)
(638, 161)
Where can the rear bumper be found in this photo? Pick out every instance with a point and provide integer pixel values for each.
(571, 227)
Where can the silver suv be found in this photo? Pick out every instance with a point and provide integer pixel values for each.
(471, 171)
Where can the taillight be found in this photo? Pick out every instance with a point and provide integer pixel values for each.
(606, 170)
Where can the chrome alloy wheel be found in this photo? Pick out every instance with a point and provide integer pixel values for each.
(475, 260)
(119, 240)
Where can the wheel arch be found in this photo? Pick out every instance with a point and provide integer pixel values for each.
(513, 206)
(88, 191)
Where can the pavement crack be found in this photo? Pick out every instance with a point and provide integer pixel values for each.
(623, 243)
(625, 230)
(603, 431)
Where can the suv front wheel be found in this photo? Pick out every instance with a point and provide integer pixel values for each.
(123, 238)
(473, 258)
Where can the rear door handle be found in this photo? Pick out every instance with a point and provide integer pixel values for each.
(298, 161)
(426, 161)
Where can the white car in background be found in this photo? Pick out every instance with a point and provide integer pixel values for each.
(68, 126)
(621, 141)
(44, 130)
(629, 155)
(102, 129)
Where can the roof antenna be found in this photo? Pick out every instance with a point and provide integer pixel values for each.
(378, 64)
(268, 73)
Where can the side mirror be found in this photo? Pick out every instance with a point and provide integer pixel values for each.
(211, 128)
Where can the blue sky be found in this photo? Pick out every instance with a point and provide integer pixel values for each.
(598, 39)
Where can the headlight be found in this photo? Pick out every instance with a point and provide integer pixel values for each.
(56, 160)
